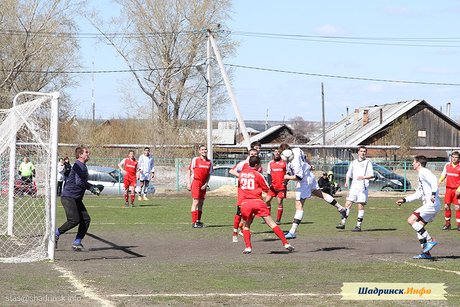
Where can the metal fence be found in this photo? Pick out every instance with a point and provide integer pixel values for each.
(170, 174)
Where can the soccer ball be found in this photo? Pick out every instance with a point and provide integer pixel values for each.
(287, 155)
(137, 189)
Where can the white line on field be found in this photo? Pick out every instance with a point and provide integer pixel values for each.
(81, 287)
(421, 266)
(222, 294)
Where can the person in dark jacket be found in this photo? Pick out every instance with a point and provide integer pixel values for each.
(72, 198)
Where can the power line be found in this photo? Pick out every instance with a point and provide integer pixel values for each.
(341, 77)
(83, 72)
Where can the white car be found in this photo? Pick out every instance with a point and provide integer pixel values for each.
(221, 176)
(111, 179)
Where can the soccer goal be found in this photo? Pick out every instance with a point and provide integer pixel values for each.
(27, 203)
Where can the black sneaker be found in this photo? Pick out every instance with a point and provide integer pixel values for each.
(199, 225)
(278, 222)
(77, 247)
(446, 227)
(340, 226)
(458, 228)
(356, 229)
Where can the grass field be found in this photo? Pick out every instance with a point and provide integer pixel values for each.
(150, 255)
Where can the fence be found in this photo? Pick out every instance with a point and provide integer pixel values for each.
(170, 174)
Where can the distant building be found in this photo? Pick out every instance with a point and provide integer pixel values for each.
(371, 125)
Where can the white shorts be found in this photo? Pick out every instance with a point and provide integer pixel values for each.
(144, 176)
(304, 188)
(427, 213)
(358, 195)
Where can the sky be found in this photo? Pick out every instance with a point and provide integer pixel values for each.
(334, 43)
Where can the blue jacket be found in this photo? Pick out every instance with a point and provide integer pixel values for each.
(77, 182)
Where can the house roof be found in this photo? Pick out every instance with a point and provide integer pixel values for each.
(264, 134)
(351, 131)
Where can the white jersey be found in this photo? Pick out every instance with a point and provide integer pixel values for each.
(299, 166)
(359, 168)
(427, 185)
(146, 164)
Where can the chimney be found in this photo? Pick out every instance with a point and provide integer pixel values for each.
(381, 116)
(356, 115)
(365, 117)
(448, 109)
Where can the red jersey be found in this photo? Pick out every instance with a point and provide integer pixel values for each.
(130, 167)
(251, 184)
(243, 165)
(452, 174)
(201, 169)
(277, 170)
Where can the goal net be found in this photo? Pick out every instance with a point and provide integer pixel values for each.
(28, 131)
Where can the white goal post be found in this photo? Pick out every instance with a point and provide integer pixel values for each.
(28, 130)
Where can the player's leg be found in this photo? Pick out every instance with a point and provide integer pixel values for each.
(144, 189)
(447, 216)
(457, 215)
(71, 213)
(132, 191)
(298, 216)
(194, 212)
(247, 215)
(418, 219)
(199, 210)
(348, 204)
(279, 214)
(278, 232)
(141, 187)
(329, 199)
(126, 183)
(82, 227)
(360, 218)
(236, 224)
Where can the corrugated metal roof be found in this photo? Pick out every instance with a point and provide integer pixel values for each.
(262, 135)
(351, 131)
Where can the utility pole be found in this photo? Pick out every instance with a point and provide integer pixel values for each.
(208, 97)
(324, 121)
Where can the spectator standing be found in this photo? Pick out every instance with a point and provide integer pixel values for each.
(27, 173)
(60, 176)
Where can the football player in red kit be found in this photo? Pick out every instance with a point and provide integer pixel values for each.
(251, 184)
(199, 170)
(451, 173)
(128, 166)
(275, 171)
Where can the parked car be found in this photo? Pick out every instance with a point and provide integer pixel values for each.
(111, 179)
(20, 188)
(384, 179)
(221, 176)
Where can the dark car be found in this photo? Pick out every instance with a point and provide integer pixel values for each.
(384, 179)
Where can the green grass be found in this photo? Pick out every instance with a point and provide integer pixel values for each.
(153, 249)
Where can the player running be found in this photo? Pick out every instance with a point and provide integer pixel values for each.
(250, 186)
(427, 191)
(128, 166)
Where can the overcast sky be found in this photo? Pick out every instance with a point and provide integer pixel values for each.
(360, 50)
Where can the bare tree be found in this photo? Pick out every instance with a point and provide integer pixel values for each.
(301, 130)
(37, 47)
(162, 41)
(403, 132)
